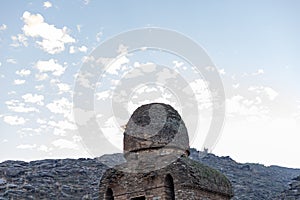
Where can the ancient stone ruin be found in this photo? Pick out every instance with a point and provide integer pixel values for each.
(157, 167)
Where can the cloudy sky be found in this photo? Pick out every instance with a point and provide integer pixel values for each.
(255, 46)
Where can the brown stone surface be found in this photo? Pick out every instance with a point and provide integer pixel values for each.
(156, 146)
(191, 180)
(154, 126)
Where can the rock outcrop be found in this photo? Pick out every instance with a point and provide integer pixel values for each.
(79, 178)
(50, 179)
(293, 193)
(250, 181)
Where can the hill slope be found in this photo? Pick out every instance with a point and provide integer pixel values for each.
(78, 178)
(250, 181)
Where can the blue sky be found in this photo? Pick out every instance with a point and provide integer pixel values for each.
(255, 45)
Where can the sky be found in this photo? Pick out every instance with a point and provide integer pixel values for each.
(254, 44)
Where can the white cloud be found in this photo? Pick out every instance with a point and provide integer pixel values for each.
(258, 100)
(202, 93)
(33, 98)
(122, 49)
(91, 59)
(83, 49)
(30, 131)
(296, 114)
(23, 72)
(59, 132)
(239, 105)
(63, 87)
(98, 36)
(269, 92)
(41, 77)
(74, 49)
(259, 72)
(21, 109)
(64, 144)
(222, 71)
(84, 79)
(47, 4)
(39, 87)
(53, 40)
(41, 121)
(12, 92)
(86, 2)
(19, 40)
(50, 66)
(82, 116)
(165, 75)
(44, 148)
(116, 65)
(77, 138)
(103, 95)
(79, 26)
(19, 82)
(210, 68)
(62, 125)
(17, 106)
(178, 64)
(11, 60)
(235, 86)
(3, 27)
(14, 120)
(61, 106)
(26, 146)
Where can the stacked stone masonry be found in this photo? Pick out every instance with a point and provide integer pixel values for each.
(157, 166)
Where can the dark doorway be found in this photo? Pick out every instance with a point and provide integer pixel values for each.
(109, 195)
(169, 187)
(139, 198)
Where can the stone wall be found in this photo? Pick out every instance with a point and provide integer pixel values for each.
(186, 178)
(197, 194)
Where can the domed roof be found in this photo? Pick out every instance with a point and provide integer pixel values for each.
(155, 126)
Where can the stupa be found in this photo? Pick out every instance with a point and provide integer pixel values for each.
(157, 167)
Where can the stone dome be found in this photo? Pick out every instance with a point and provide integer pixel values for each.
(154, 127)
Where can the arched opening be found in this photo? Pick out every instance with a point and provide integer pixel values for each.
(109, 195)
(169, 187)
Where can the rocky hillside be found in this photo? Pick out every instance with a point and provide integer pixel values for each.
(250, 181)
(78, 178)
(50, 179)
(293, 193)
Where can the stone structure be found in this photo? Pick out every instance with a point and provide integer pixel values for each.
(156, 147)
